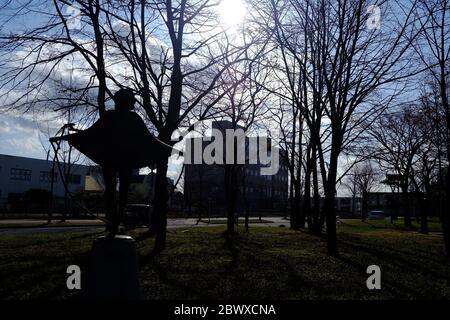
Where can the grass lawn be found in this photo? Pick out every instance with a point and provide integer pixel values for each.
(267, 262)
(355, 225)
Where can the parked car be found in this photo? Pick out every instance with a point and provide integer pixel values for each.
(137, 215)
(376, 215)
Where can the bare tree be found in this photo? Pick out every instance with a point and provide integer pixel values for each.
(434, 52)
(346, 68)
(396, 145)
(244, 106)
(361, 181)
(178, 80)
(428, 169)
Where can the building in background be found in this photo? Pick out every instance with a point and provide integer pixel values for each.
(347, 207)
(204, 186)
(388, 202)
(19, 175)
(142, 191)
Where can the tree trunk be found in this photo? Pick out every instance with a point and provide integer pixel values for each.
(307, 197)
(364, 206)
(230, 195)
(316, 220)
(100, 61)
(159, 221)
(406, 207)
(424, 207)
(67, 173)
(443, 92)
(330, 215)
(445, 217)
(300, 214)
(292, 203)
(329, 208)
(244, 198)
(247, 216)
(52, 186)
(295, 216)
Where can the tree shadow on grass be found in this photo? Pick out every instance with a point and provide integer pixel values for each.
(290, 282)
(230, 245)
(256, 269)
(152, 262)
(413, 252)
(223, 267)
(387, 280)
(39, 276)
(165, 276)
(392, 286)
(46, 242)
(168, 273)
(392, 258)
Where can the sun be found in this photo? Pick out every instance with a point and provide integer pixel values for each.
(231, 13)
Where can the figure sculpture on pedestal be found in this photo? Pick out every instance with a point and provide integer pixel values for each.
(119, 142)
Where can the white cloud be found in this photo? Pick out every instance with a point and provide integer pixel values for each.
(21, 137)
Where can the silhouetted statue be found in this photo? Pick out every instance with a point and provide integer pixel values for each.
(119, 142)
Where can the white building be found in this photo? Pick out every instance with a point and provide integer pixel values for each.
(19, 174)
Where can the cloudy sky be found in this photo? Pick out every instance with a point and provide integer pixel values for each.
(27, 135)
(21, 137)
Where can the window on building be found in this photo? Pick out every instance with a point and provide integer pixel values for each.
(45, 176)
(14, 197)
(74, 179)
(20, 174)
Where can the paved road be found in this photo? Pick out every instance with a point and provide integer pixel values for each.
(43, 222)
(40, 230)
(171, 224)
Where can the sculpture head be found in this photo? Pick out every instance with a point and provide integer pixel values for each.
(124, 100)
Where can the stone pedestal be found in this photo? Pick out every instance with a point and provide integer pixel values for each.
(114, 272)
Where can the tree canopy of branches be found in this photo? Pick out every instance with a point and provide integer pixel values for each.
(396, 145)
(172, 53)
(337, 73)
(361, 180)
(433, 50)
(320, 73)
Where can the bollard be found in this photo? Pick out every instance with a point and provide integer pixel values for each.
(114, 272)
